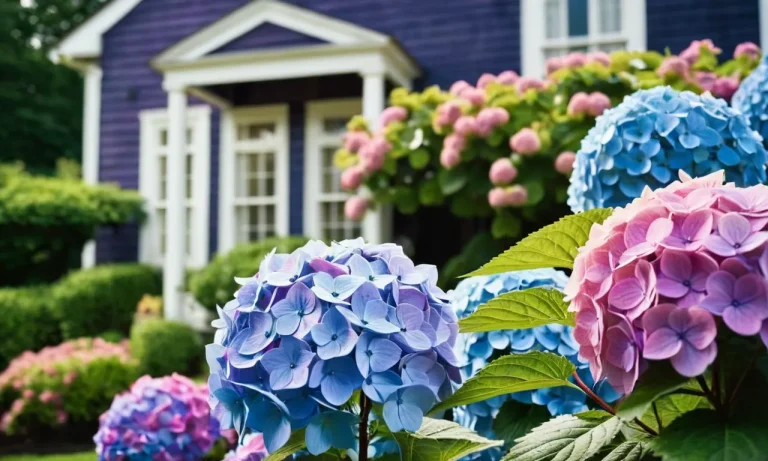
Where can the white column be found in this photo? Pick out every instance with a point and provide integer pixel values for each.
(91, 132)
(175, 218)
(763, 8)
(227, 235)
(374, 229)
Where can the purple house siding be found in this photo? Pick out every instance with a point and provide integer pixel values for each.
(267, 36)
(296, 199)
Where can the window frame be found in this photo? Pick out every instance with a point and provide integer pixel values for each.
(151, 123)
(534, 41)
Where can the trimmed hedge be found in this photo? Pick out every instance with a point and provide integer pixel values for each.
(215, 283)
(163, 347)
(104, 298)
(27, 321)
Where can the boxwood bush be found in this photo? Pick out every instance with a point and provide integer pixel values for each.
(103, 298)
(27, 321)
(163, 347)
(214, 284)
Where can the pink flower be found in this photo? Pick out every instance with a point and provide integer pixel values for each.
(524, 84)
(741, 302)
(458, 87)
(725, 87)
(574, 60)
(683, 276)
(691, 54)
(634, 295)
(502, 172)
(747, 49)
(466, 125)
(525, 142)
(373, 154)
(598, 103)
(447, 113)
(449, 158)
(497, 197)
(393, 114)
(517, 195)
(564, 162)
(621, 354)
(734, 237)
(599, 57)
(18, 406)
(61, 417)
(352, 177)
(554, 64)
(684, 336)
(485, 80)
(706, 80)
(673, 66)
(28, 394)
(508, 77)
(48, 396)
(455, 142)
(475, 96)
(579, 104)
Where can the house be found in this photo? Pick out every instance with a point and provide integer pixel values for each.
(225, 114)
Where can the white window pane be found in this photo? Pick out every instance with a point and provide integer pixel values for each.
(163, 178)
(335, 125)
(611, 47)
(577, 18)
(188, 175)
(553, 11)
(161, 230)
(331, 174)
(256, 175)
(255, 222)
(610, 16)
(335, 226)
(254, 131)
(163, 137)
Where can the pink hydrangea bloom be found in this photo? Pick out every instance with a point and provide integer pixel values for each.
(692, 53)
(579, 104)
(523, 84)
(554, 64)
(651, 278)
(393, 114)
(673, 66)
(352, 177)
(475, 96)
(599, 57)
(446, 114)
(497, 197)
(598, 103)
(373, 154)
(574, 60)
(502, 172)
(449, 157)
(455, 141)
(355, 208)
(525, 142)
(517, 195)
(706, 80)
(490, 118)
(465, 125)
(458, 87)
(725, 87)
(749, 49)
(485, 80)
(564, 162)
(508, 77)
(354, 140)
(252, 450)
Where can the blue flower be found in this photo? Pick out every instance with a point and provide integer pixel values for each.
(646, 139)
(288, 365)
(375, 272)
(334, 336)
(337, 378)
(335, 290)
(751, 99)
(403, 268)
(379, 386)
(375, 354)
(298, 312)
(369, 311)
(405, 408)
(331, 429)
(410, 321)
(268, 415)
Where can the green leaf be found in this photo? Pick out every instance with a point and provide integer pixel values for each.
(519, 310)
(515, 419)
(512, 373)
(702, 435)
(670, 407)
(659, 380)
(567, 438)
(451, 181)
(419, 159)
(632, 450)
(439, 440)
(294, 444)
(555, 245)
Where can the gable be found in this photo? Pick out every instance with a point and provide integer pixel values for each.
(267, 36)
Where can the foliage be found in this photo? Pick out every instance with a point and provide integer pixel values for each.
(437, 148)
(44, 222)
(163, 347)
(86, 456)
(66, 385)
(26, 322)
(214, 284)
(102, 298)
(438, 440)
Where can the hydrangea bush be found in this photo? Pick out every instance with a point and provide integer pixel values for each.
(751, 98)
(252, 449)
(319, 337)
(654, 133)
(158, 419)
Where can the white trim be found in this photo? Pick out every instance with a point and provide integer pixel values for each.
(763, 6)
(85, 41)
(254, 14)
(277, 114)
(151, 122)
(533, 39)
(91, 137)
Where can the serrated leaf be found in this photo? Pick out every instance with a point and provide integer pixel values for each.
(515, 419)
(294, 444)
(512, 373)
(671, 407)
(628, 451)
(702, 435)
(566, 438)
(555, 245)
(439, 440)
(659, 380)
(518, 310)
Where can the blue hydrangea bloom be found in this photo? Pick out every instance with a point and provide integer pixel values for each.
(475, 350)
(651, 135)
(751, 99)
(313, 327)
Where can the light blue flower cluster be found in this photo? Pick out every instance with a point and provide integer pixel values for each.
(312, 327)
(475, 350)
(651, 135)
(751, 99)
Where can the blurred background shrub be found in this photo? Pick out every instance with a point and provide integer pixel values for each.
(162, 347)
(27, 321)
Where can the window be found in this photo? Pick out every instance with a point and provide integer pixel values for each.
(323, 196)
(153, 184)
(556, 27)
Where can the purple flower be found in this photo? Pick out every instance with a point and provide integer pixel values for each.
(404, 409)
(334, 336)
(375, 272)
(289, 271)
(741, 302)
(690, 232)
(622, 354)
(376, 354)
(686, 336)
(734, 236)
(684, 276)
(422, 368)
(252, 340)
(379, 386)
(369, 311)
(335, 290)
(402, 268)
(410, 320)
(337, 378)
(297, 313)
(764, 333)
(633, 295)
(288, 365)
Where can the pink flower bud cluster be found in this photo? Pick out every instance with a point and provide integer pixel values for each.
(502, 172)
(576, 60)
(692, 53)
(748, 49)
(525, 142)
(355, 208)
(392, 114)
(673, 66)
(721, 87)
(373, 153)
(593, 104)
(501, 197)
(653, 277)
(564, 162)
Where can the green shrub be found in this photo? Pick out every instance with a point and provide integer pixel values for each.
(214, 284)
(103, 298)
(163, 347)
(44, 222)
(26, 322)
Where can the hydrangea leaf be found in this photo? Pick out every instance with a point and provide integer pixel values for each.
(633, 450)
(670, 407)
(512, 373)
(515, 419)
(518, 310)
(294, 444)
(555, 245)
(659, 380)
(701, 434)
(567, 438)
(452, 181)
(439, 440)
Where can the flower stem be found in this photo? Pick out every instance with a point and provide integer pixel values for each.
(365, 409)
(658, 417)
(730, 400)
(710, 395)
(605, 405)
